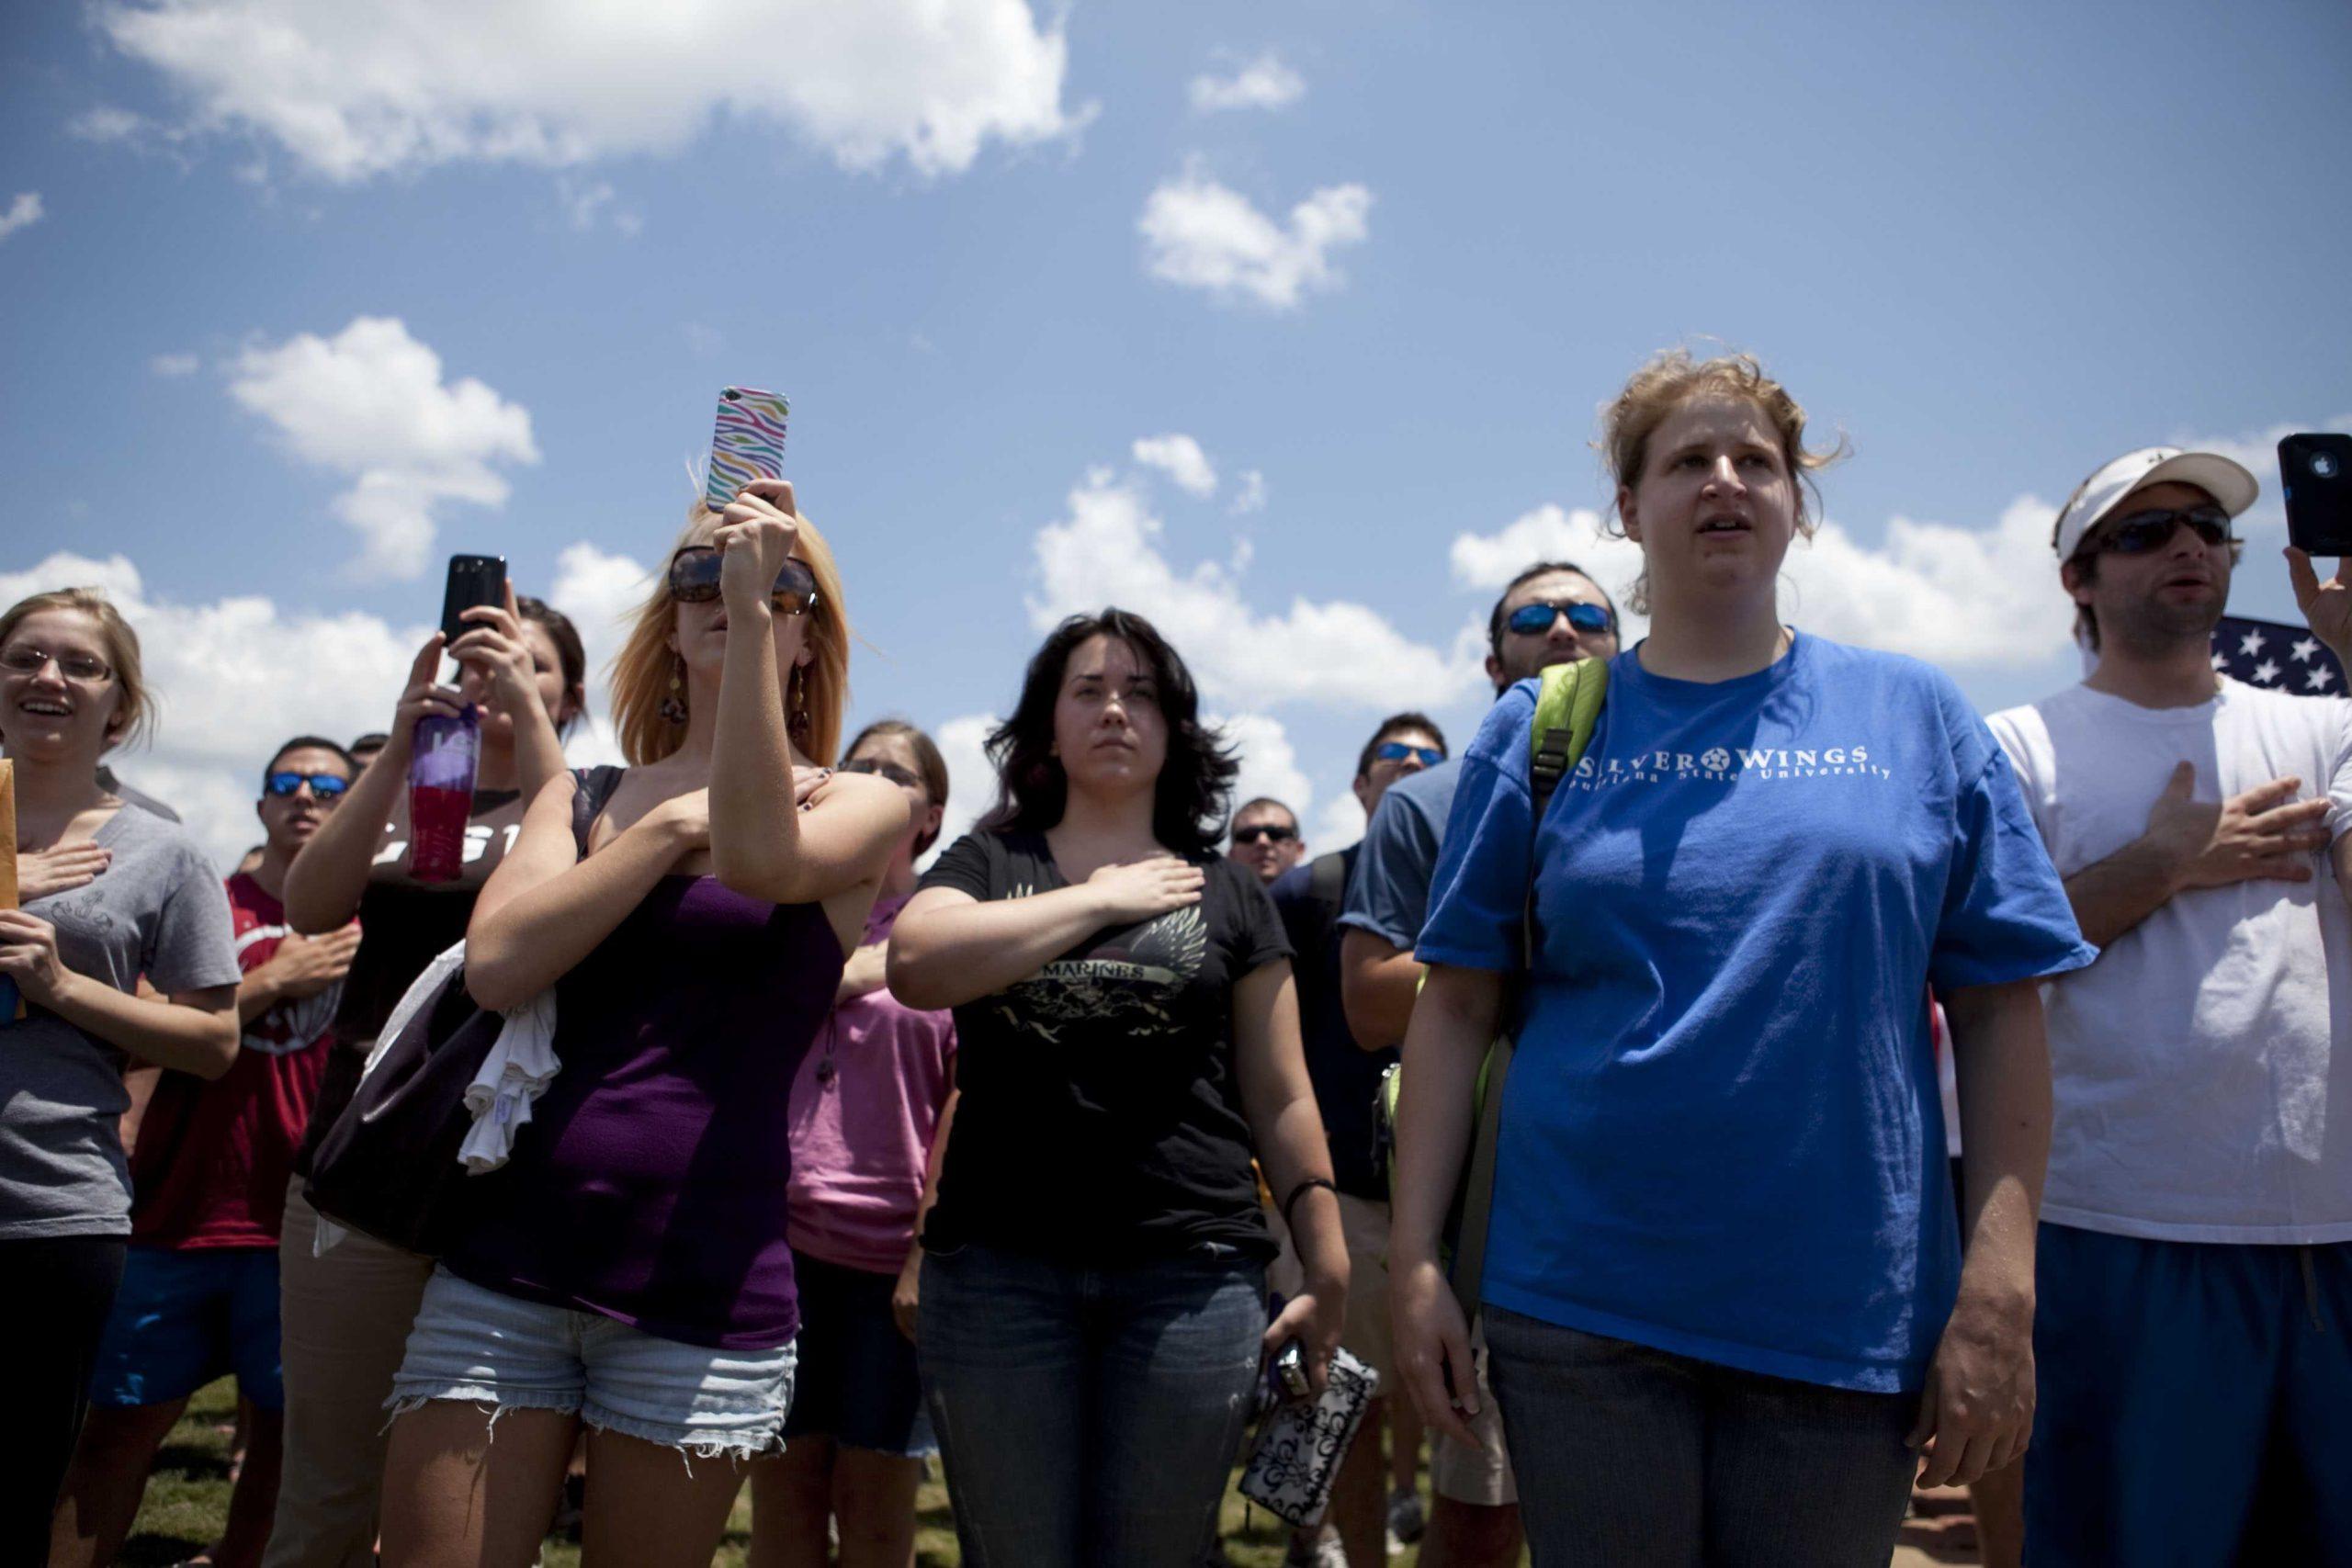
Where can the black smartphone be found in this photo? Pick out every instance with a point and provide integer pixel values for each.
(2315, 478)
(473, 580)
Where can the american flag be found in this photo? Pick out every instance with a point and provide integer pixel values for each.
(2283, 658)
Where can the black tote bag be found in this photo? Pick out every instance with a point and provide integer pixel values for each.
(389, 1167)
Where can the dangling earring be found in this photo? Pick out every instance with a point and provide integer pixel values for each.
(797, 721)
(674, 707)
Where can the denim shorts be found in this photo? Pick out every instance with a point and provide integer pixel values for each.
(857, 1384)
(499, 1350)
(183, 1317)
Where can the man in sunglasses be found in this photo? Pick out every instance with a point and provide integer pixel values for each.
(208, 1177)
(1553, 613)
(2194, 1274)
(1266, 838)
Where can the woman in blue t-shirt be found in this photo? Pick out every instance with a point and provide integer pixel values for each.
(1725, 1303)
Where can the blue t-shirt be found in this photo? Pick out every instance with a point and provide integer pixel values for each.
(1389, 895)
(1721, 1135)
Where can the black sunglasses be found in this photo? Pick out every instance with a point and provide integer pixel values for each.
(2144, 531)
(694, 580)
(1397, 752)
(1535, 619)
(326, 786)
(1272, 832)
(902, 777)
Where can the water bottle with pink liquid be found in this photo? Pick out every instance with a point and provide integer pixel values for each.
(441, 792)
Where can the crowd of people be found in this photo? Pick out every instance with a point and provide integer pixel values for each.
(1032, 1160)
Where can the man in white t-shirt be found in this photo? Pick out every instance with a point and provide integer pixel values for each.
(2194, 1289)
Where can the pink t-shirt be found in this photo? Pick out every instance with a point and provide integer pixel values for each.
(864, 1106)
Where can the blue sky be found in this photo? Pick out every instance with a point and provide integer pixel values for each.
(471, 277)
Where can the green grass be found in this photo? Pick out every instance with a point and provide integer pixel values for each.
(187, 1499)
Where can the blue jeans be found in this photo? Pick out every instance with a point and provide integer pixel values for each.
(1087, 1416)
(1635, 1457)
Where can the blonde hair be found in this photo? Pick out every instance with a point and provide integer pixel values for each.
(1672, 379)
(134, 710)
(642, 671)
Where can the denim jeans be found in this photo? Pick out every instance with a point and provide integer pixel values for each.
(1087, 1416)
(1631, 1456)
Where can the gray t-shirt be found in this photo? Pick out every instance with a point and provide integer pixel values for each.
(158, 909)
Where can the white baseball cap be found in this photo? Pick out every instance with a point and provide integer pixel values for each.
(2217, 476)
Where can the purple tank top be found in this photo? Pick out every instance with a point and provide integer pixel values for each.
(650, 1184)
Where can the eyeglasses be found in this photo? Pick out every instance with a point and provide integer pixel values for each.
(2144, 531)
(694, 580)
(1535, 619)
(1270, 831)
(903, 777)
(326, 786)
(24, 658)
(1397, 752)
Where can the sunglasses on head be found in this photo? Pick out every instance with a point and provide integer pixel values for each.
(326, 786)
(1272, 832)
(1535, 619)
(903, 777)
(694, 580)
(1397, 752)
(2141, 531)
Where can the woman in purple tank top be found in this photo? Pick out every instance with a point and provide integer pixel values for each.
(627, 1269)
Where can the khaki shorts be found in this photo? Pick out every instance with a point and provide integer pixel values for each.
(1481, 1476)
(1364, 1227)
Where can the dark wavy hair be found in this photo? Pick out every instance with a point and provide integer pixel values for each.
(1190, 798)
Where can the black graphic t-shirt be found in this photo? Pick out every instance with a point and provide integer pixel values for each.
(1100, 1119)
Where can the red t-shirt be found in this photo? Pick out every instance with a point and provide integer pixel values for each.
(213, 1159)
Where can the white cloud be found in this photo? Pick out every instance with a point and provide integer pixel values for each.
(1264, 83)
(1269, 763)
(23, 213)
(233, 678)
(586, 200)
(1201, 234)
(174, 365)
(1108, 550)
(600, 590)
(349, 91)
(371, 403)
(106, 123)
(1250, 496)
(1961, 597)
(971, 783)
(1340, 824)
(1182, 459)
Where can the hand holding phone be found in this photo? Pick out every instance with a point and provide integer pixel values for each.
(474, 580)
(2315, 478)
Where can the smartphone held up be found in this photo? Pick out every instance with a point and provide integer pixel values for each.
(746, 443)
(2315, 479)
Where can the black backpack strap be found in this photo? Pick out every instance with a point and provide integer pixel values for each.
(592, 788)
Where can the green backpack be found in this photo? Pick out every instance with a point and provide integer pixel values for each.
(1568, 705)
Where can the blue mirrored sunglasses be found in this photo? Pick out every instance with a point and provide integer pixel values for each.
(1397, 752)
(1535, 619)
(326, 786)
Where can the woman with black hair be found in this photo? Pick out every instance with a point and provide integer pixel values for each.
(1092, 1298)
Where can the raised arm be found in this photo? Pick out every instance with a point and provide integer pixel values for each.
(495, 651)
(544, 908)
(762, 844)
(324, 884)
(950, 948)
(1287, 1128)
(2264, 832)
(1452, 1024)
